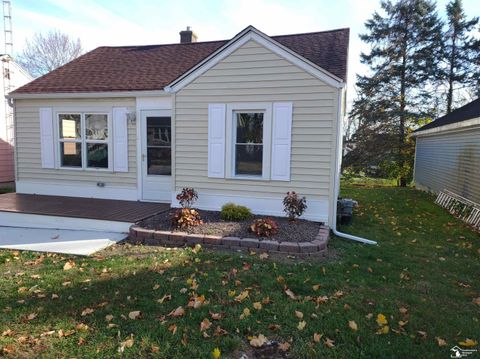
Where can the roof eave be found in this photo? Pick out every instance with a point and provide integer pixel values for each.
(251, 33)
(448, 128)
(105, 94)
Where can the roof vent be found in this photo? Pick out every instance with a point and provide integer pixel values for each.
(187, 36)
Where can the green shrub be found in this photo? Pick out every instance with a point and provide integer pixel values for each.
(233, 212)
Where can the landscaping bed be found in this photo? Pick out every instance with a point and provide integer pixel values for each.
(298, 231)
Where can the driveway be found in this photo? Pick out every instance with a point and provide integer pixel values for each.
(57, 240)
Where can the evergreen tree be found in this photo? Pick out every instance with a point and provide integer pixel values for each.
(405, 48)
(462, 52)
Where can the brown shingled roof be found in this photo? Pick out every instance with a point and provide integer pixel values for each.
(142, 68)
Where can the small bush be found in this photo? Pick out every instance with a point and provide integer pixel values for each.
(233, 212)
(264, 227)
(187, 197)
(294, 206)
(186, 218)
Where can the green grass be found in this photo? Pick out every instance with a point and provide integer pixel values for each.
(426, 262)
(6, 190)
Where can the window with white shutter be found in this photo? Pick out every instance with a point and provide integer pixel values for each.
(281, 141)
(216, 140)
(47, 138)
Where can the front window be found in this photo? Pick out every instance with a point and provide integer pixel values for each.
(83, 140)
(249, 143)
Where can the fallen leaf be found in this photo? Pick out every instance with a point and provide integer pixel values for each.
(317, 337)
(422, 334)
(245, 313)
(205, 324)
(66, 333)
(468, 343)
(290, 294)
(329, 343)
(69, 265)
(109, 317)
(31, 316)
(383, 330)
(257, 305)
(299, 314)
(441, 342)
(134, 315)
(216, 353)
(284, 346)
(263, 256)
(87, 311)
(126, 344)
(173, 328)
(179, 312)
(316, 287)
(381, 319)
(164, 298)
(353, 325)
(476, 301)
(216, 316)
(81, 327)
(241, 297)
(403, 310)
(7, 333)
(257, 342)
(301, 325)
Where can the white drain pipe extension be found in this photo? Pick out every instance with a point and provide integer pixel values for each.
(338, 163)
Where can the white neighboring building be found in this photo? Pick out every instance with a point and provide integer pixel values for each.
(13, 77)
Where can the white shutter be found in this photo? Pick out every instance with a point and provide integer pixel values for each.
(47, 138)
(216, 140)
(120, 139)
(281, 141)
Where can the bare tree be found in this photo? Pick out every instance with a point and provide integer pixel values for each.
(46, 52)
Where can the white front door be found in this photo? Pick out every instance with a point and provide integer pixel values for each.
(156, 139)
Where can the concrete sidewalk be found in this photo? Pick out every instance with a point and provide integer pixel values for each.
(57, 240)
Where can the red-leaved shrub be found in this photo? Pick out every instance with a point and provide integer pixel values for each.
(264, 227)
(293, 205)
(185, 218)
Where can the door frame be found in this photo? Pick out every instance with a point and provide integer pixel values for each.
(141, 142)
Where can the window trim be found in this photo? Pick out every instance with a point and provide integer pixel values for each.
(83, 140)
(231, 134)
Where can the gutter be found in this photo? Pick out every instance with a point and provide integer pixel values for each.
(336, 190)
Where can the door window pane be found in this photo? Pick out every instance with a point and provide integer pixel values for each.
(97, 155)
(159, 154)
(159, 161)
(159, 132)
(96, 127)
(70, 126)
(71, 154)
(249, 144)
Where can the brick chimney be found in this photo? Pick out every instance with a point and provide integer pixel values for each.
(187, 36)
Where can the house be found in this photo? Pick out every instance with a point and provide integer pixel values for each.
(447, 154)
(242, 120)
(13, 76)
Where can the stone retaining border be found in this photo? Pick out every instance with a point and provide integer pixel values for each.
(150, 237)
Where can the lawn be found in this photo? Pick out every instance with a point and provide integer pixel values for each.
(417, 294)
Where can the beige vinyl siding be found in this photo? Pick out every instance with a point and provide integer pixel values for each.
(255, 74)
(29, 166)
(450, 160)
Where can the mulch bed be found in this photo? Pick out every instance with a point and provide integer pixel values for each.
(299, 231)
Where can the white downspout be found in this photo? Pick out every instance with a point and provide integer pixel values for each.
(336, 191)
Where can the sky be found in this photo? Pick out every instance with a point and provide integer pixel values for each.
(142, 22)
